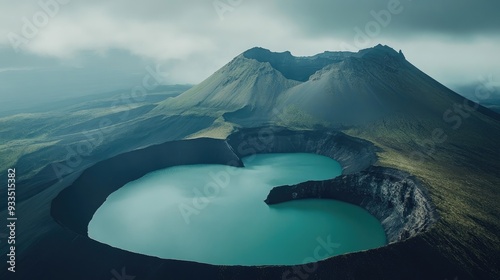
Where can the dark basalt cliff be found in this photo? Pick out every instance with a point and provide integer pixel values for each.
(75, 205)
(394, 197)
(353, 154)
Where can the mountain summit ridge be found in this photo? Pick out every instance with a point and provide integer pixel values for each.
(300, 68)
(330, 88)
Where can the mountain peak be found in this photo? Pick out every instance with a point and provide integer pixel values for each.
(302, 68)
(341, 88)
(265, 55)
(293, 68)
(381, 51)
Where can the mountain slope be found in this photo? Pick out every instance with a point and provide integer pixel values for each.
(376, 83)
(334, 89)
(241, 83)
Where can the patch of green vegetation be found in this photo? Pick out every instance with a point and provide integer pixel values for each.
(293, 116)
(220, 129)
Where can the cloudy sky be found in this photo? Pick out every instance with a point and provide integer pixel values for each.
(57, 48)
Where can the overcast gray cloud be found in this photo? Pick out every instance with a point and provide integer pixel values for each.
(453, 41)
(456, 18)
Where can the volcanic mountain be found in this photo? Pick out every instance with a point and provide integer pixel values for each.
(332, 88)
(417, 124)
(372, 110)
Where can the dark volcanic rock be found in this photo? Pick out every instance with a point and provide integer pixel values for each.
(394, 197)
(75, 206)
(352, 153)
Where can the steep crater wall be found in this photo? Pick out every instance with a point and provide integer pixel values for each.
(75, 206)
(397, 199)
(394, 197)
(352, 153)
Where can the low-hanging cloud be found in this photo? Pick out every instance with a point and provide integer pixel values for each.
(190, 33)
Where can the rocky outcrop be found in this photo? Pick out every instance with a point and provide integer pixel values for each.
(396, 199)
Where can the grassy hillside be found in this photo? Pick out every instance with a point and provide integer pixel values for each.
(463, 174)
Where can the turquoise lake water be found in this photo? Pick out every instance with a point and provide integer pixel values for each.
(216, 214)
